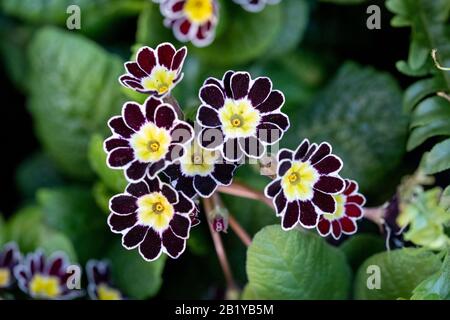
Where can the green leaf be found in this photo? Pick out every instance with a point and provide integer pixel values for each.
(249, 293)
(430, 110)
(135, 277)
(436, 286)
(346, 2)
(113, 179)
(74, 91)
(102, 195)
(439, 127)
(73, 211)
(360, 247)
(359, 114)
(151, 30)
(286, 265)
(400, 271)
(420, 90)
(438, 159)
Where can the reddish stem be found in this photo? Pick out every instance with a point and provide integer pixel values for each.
(240, 232)
(240, 190)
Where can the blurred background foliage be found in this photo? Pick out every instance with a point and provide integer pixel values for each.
(343, 83)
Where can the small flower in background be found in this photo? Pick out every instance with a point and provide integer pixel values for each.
(240, 115)
(305, 184)
(146, 138)
(9, 257)
(255, 5)
(155, 72)
(191, 20)
(153, 216)
(45, 278)
(100, 284)
(200, 171)
(349, 205)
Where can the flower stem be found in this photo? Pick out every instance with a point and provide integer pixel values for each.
(218, 245)
(436, 62)
(240, 232)
(240, 190)
(174, 103)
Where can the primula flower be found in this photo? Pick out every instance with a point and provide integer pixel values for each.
(306, 181)
(100, 285)
(155, 72)
(240, 115)
(153, 216)
(146, 138)
(255, 5)
(349, 205)
(9, 258)
(191, 20)
(200, 171)
(45, 278)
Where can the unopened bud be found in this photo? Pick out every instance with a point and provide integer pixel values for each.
(219, 224)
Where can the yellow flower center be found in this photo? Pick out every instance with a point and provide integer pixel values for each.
(151, 143)
(5, 277)
(198, 161)
(44, 286)
(199, 11)
(154, 210)
(239, 118)
(160, 80)
(340, 208)
(299, 180)
(104, 292)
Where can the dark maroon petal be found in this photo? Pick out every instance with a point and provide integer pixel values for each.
(353, 210)
(324, 202)
(348, 225)
(301, 150)
(119, 223)
(182, 132)
(133, 116)
(323, 150)
(269, 133)
(165, 116)
(131, 82)
(178, 59)
(350, 187)
(208, 117)
(357, 198)
(240, 82)
(211, 138)
(180, 225)
(156, 167)
(7, 258)
(232, 151)
(336, 229)
(223, 172)
(280, 119)
(328, 165)
(120, 157)
(259, 92)
(280, 202)
(165, 53)
(290, 217)
(146, 59)
(283, 167)
(323, 227)
(205, 186)
(173, 172)
(151, 247)
(135, 70)
(227, 83)
(273, 188)
(134, 236)
(273, 102)
(169, 193)
(252, 147)
(55, 266)
(308, 215)
(184, 205)
(136, 171)
(310, 152)
(213, 81)
(151, 105)
(114, 143)
(154, 185)
(123, 204)
(183, 26)
(329, 184)
(138, 189)
(186, 186)
(285, 154)
(119, 127)
(212, 96)
(173, 244)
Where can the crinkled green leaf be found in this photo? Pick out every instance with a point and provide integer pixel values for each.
(400, 271)
(249, 293)
(360, 114)
(360, 247)
(136, 278)
(296, 265)
(438, 159)
(74, 91)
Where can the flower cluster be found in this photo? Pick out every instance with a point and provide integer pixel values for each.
(255, 5)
